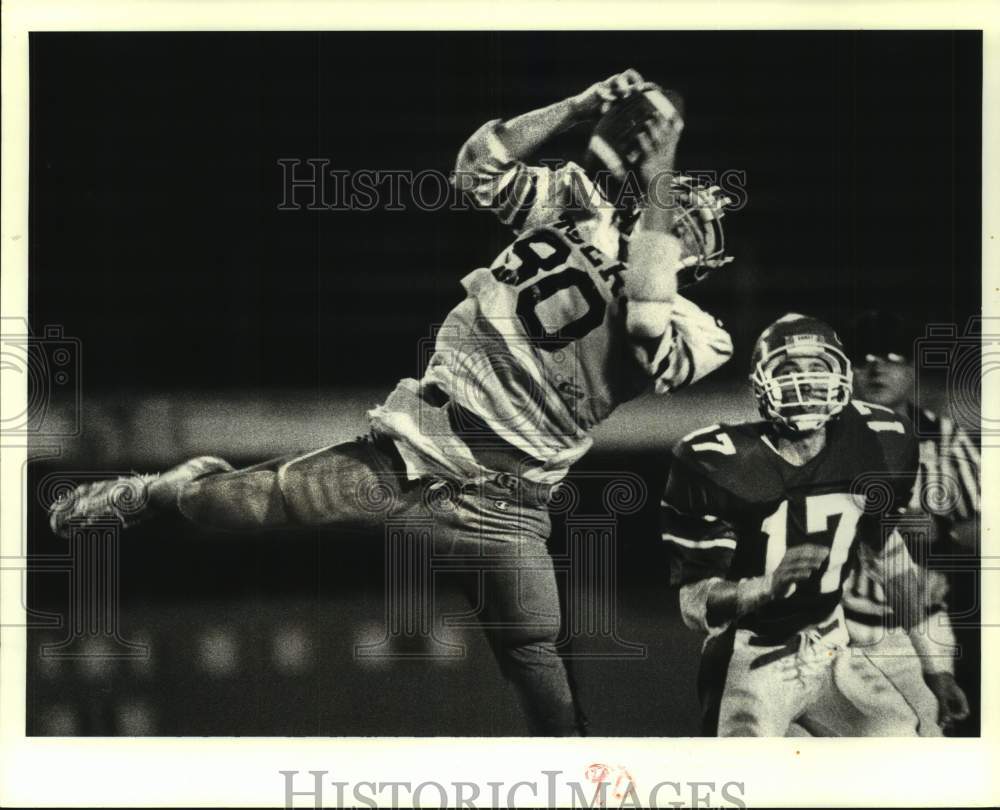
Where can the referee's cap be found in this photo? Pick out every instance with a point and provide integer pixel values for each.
(881, 334)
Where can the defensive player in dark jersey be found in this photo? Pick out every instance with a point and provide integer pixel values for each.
(765, 519)
(579, 314)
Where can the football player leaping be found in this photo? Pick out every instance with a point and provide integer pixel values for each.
(549, 339)
(765, 518)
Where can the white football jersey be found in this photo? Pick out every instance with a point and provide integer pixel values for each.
(538, 352)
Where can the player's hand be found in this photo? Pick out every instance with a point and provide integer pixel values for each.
(798, 564)
(953, 706)
(658, 142)
(596, 99)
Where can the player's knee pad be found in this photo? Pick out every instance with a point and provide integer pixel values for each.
(234, 502)
(303, 494)
(336, 485)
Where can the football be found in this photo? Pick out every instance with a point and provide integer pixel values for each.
(614, 146)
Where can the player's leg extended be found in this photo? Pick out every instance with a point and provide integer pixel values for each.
(243, 499)
(319, 488)
(350, 484)
(129, 500)
(516, 586)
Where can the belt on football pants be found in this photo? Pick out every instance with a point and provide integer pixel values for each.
(789, 648)
(488, 449)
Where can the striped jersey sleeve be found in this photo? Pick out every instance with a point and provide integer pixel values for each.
(948, 481)
(960, 453)
(521, 196)
(700, 540)
(694, 345)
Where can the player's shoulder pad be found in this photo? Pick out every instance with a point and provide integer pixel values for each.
(715, 448)
(893, 431)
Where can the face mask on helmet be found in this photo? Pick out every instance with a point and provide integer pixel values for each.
(802, 383)
(698, 224)
(698, 211)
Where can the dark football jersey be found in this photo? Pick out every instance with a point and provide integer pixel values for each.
(733, 506)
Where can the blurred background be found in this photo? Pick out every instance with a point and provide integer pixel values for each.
(200, 318)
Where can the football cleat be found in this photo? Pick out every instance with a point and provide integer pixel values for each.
(126, 500)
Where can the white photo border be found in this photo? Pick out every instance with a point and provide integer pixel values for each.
(245, 771)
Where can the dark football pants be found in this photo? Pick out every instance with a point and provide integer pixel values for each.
(492, 534)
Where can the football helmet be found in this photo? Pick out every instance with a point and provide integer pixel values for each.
(698, 211)
(698, 226)
(800, 373)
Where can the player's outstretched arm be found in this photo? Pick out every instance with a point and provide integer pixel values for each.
(491, 166)
(516, 139)
(524, 134)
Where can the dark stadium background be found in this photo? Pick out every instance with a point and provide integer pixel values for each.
(209, 321)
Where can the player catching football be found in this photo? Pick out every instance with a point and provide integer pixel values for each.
(765, 519)
(559, 330)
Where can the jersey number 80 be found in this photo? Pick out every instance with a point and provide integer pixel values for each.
(558, 276)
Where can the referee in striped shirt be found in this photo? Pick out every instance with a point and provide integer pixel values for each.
(947, 489)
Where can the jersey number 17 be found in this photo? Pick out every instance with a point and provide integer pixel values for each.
(836, 507)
